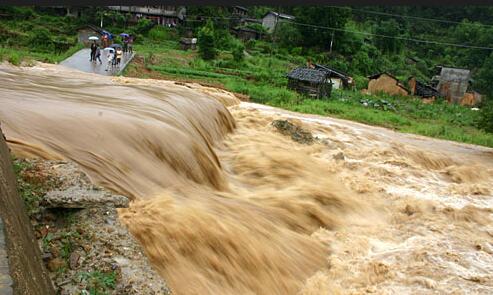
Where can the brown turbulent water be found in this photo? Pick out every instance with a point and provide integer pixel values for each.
(223, 204)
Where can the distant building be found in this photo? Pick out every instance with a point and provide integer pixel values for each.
(164, 15)
(387, 83)
(339, 79)
(271, 19)
(245, 21)
(240, 11)
(188, 43)
(452, 83)
(245, 33)
(311, 82)
(422, 90)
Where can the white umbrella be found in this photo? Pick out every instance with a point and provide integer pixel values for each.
(109, 49)
(93, 38)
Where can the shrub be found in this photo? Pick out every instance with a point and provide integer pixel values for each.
(15, 58)
(158, 33)
(238, 51)
(206, 42)
(485, 121)
(41, 38)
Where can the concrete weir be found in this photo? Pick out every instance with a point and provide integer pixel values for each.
(21, 267)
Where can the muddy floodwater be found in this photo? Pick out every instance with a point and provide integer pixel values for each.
(225, 204)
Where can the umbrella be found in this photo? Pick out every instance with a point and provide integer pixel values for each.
(109, 49)
(115, 45)
(124, 35)
(110, 36)
(93, 38)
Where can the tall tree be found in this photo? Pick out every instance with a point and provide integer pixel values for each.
(320, 16)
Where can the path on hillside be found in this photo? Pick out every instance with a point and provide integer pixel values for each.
(80, 61)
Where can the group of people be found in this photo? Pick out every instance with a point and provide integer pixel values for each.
(114, 58)
(114, 55)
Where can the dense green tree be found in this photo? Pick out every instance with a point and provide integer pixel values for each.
(206, 42)
(320, 16)
(385, 44)
(288, 35)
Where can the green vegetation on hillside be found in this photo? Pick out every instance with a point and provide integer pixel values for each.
(258, 68)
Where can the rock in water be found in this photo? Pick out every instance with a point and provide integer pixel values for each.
(297, 133)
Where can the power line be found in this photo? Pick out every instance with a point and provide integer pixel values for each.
(363, 33)
(392, 37)
(411, 17)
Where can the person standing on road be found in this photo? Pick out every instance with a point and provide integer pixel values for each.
(125, 44)
(93, 51)
(130, 44)
(119, 54)
(98, 55)
(109, 58)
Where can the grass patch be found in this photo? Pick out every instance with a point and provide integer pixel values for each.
(99, 282)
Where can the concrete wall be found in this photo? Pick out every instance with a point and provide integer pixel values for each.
(453, 83)
(24, 258)
(269, 22)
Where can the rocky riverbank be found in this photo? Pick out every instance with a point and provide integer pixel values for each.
(85, 248)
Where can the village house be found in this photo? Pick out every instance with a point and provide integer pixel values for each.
(271, 19)
(418, 88)
(387, 83)
(339, 79)
(454, 84)
(164, 15)
(245, 33)
(240, 11)
(311, 82)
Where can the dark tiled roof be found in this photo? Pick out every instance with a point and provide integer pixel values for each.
(376, 76)
(241, 8)
(424, 90)
(309, 75)
(246, 29)
(332, 72)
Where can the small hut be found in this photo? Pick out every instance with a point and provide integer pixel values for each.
(188, 43)
(385, 82)
(311, 82)
(339, 79)
(422, 90)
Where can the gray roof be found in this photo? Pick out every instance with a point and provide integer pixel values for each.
(308, 75)
(280, 15)
(333, 72)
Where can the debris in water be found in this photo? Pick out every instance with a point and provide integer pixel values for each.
(297, 133)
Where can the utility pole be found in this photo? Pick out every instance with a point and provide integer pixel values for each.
(331, 42)
(274, 33)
